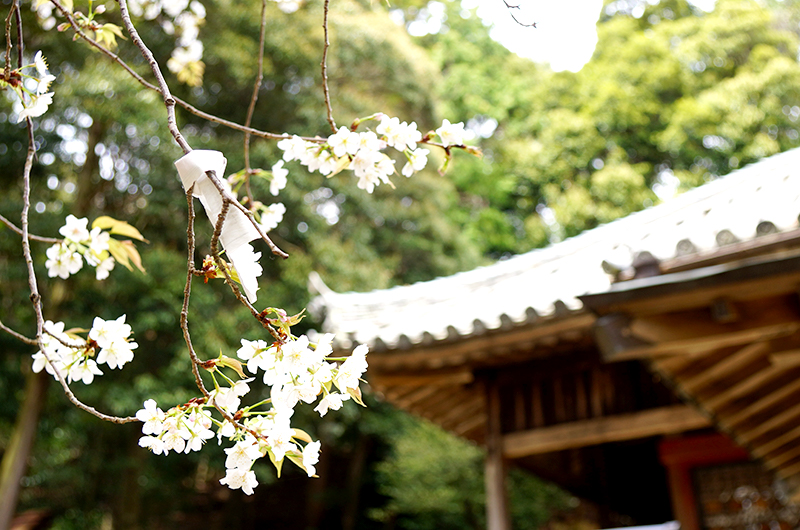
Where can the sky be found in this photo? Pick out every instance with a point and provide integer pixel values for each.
(565, 34)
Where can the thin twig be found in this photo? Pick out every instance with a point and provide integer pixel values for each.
(212, 176)
(196, 362)
(7, 70)
(18, 336)
(18, 230)
(20, 42)
(36, 298)
(187, 291)
(256, 87)
(513, 6)
(169, 101)
(326, 44)
(226, 202)
(190, 108)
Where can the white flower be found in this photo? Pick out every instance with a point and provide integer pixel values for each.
(75, 229)
(106, 332)
(332, 401)
(352, 369)
(236, 478)
(98, 240)
(173, 441)
(153, 443)
(279, 437)
(104, 268)
(59, 261)
(344, 141)
(278, 177)
(401, 136)
(369, 141)
(243, 454)
(38, 106)
(293, 148)
(44, 84)
(83, 371)
(311, 457)
(417, 160)
(271, 216)
(288, 6)
(297, 355)
(240, 388)
(41, 64)
(152, 417)
(451, 133)
(226, 399)
(117, 354)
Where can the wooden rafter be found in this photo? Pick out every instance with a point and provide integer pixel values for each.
(653, 422)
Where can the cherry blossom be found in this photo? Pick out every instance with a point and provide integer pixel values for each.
(451, 133)
(278, 178)
(236, 478)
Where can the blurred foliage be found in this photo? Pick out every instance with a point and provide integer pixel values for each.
(671, 95)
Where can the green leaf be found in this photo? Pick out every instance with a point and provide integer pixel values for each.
(302, 435)
(120, 253)
(133, 254)
(116, 227)
(278, 465)
(355, 393)
(224, 360)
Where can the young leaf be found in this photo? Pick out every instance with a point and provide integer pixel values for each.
(120, 253)
(302, 435)
(224, 360)
(118, 227)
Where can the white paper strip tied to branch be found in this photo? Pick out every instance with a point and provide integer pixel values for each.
(237, 230)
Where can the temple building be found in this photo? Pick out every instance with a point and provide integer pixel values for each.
(650, 365)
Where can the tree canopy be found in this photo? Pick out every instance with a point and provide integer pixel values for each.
(674, 96)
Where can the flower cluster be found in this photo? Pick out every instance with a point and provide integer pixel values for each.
(298, 373)
(64, 258)
(32, 89)
(184, 18)
(295, 370)
(95, 246)
(362, 153)
(74, 357)
(180, 429)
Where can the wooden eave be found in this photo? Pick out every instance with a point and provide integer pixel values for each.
(439, 382)
(727, 338)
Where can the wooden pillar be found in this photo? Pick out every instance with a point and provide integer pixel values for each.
(497, 513)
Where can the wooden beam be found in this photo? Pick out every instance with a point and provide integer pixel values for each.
(725, 367)
(742, 388)
(653, 422)
(470, 424)
(760, 404)
(786, 359)
(762, 450)
(498, 516)
(443, 378)
(791, 413)
(695, 331)
(664, 297)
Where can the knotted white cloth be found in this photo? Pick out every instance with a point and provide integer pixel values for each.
(237, 230)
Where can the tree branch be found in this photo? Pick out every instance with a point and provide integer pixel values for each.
(169, 101)
(324, 65)
(18, 336)
(18, 230)
(254, 98)
(190, 108)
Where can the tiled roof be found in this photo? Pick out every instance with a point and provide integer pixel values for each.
(761, 198)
